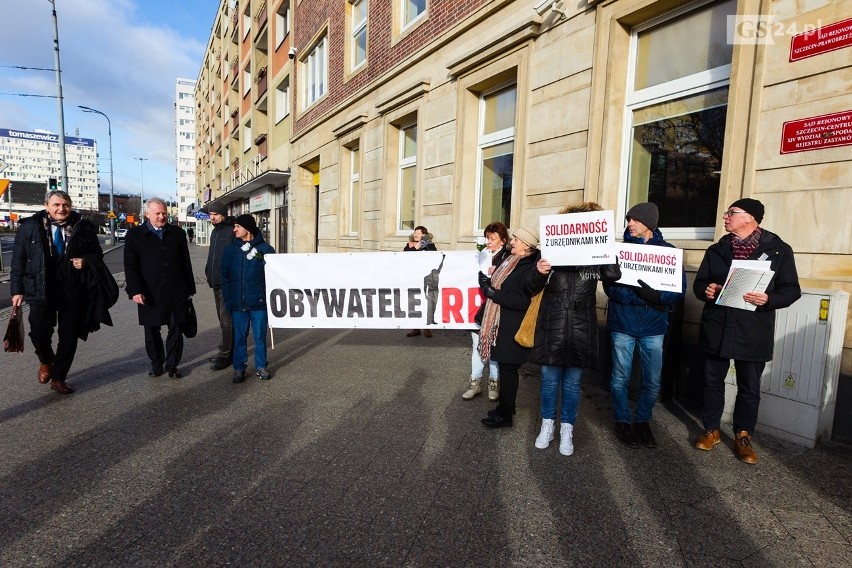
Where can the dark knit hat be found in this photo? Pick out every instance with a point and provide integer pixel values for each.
(247, 222)
(215, 207)
(646, 213)
(751, 206)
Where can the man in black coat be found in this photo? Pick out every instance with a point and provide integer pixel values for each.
(221, 236)
(159, 279)
(54, 250)
(745, 335)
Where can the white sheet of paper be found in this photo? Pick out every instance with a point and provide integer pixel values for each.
(739, 282)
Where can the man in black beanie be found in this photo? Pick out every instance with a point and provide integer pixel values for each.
(745, 335)
(221, 236)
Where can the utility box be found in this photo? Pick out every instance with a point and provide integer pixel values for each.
(798, 388)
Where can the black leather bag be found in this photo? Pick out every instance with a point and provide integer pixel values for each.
(190, 327)
(13, 342)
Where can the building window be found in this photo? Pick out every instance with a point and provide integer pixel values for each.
(315, 67)
(354, 190)
(282, 100)
(359, 33)
(247, 21)
(495, 154)
(247, 80)
(282, 24)
(247, 137)
(407, 196)
(677, 102)
(411, 11)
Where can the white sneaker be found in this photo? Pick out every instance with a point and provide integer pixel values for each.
(493, 389)
(473, 389)
(546, 434)
(566, 442)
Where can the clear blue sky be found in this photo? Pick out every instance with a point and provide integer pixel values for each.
(119, 56)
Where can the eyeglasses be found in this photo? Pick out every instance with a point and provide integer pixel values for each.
(731, 213)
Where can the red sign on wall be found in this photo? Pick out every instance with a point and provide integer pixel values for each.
(821, 40)
(816, 133)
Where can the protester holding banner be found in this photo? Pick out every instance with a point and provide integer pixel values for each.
(419, 240)
(507, 296)
(566, 336)
(746, 336)
(496, 239)
(638, 315)
(244, 294)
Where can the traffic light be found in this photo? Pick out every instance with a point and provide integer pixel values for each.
(52, 185)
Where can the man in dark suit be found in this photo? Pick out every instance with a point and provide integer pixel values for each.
(159, 279)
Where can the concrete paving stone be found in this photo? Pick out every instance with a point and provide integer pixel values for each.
(827, 554)
(442, 538)
(808, 526)
(329, 541)
(786, 553)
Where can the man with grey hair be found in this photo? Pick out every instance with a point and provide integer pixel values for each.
(160, 280)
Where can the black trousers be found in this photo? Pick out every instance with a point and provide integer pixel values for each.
(43, 318)
(748, 393)
(226, 324)
(508, 389)
(171, 355)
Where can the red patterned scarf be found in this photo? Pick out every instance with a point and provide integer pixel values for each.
(491, 317)
(744, 247)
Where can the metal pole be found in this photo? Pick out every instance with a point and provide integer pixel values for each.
(63, 165)
(111, 178)
(142, 189)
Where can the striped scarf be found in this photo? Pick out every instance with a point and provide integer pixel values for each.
(491, 317)
(743, 248)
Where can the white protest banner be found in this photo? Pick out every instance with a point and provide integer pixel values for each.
(658, 267)
(577, 239)
(375, 290)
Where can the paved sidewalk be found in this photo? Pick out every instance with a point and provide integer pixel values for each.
(361, 452)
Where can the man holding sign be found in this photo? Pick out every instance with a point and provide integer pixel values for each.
(638, 315)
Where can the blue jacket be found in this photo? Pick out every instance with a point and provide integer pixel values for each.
(243, 281)
(627, 312)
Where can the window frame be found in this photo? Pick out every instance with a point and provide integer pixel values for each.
(282, 25)
(315, 60)
(403, 26)
(282, 104)
(355, 29)
(355, 210)
(485, 141)
(406, 163)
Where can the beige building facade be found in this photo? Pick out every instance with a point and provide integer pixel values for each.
(516, 108)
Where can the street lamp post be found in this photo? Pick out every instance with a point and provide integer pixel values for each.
(111, 183)
(63, 164)
(142, 190)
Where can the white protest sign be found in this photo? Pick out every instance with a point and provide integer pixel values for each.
(376, 290)
(577, 239)
(661, 268)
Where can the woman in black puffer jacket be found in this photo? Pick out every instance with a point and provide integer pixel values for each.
(566, 336)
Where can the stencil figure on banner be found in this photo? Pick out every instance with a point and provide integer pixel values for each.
(566, 332)
(58, 268)
(420, 240)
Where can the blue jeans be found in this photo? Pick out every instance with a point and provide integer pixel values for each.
(477, 366)
(259, 323)
(651, 356)
(552, 377)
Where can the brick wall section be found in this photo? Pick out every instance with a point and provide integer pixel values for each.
(311, 15)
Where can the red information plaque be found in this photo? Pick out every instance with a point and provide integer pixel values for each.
(821, 40)
(816, 133)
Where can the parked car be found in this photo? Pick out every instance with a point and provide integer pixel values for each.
(120, 234)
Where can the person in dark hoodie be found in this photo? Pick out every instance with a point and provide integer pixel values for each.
(638, 316)
(54, 251)
(221, 236)
(244, 294)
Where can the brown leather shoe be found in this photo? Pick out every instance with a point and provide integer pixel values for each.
(707, 440)
(427, 333)
(61, 387)
(44, 373)
(413, 333)
(742, 447)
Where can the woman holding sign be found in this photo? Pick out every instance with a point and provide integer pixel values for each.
(566, 336)
(508, 297)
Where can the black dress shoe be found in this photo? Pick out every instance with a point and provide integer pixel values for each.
(155, 372)
(239, 376)
(624, 431)
(175, 373)
(497, 421)
(220, 363)
(644, 434)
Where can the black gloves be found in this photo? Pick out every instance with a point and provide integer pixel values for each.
(651, 296)
(485, 286)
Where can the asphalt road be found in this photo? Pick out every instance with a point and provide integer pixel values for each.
(113, 257)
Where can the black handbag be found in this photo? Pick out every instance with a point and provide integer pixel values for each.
(13, 342)
(190, 326)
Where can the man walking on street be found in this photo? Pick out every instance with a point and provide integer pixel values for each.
(638, 316)
(221, 236)
(745, 335)
(54, 253)
(159, 279)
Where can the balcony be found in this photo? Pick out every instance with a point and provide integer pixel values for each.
(261, 144)
(260, 16)
(235, 119)
(261, 81)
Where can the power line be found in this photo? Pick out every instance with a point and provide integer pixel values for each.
(25, 68)
(28, 95)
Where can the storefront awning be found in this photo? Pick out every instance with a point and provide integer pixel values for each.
(272, 178)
